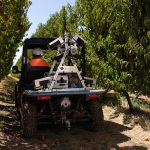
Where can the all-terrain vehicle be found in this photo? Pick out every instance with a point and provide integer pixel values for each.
(60, 94)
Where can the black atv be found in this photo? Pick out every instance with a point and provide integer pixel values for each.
(59, 94)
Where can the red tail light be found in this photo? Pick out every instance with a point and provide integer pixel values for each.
(93, 96)
(43, 98)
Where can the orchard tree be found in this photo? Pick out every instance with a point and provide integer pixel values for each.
(65, 19)
(13, 23)
(49, 29)
(118, 51)
(118, 35)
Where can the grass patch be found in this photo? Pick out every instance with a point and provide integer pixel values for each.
(115, 99)
(140, 115)
(112, 99)
(137, 103)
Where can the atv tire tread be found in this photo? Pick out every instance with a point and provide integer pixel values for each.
(29, 120)
(96, 113)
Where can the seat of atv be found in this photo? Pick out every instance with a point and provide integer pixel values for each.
(36, 72)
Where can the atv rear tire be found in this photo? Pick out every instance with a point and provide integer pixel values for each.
(29, 121)
(96, 121)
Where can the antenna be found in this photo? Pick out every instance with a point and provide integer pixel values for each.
(64, 15)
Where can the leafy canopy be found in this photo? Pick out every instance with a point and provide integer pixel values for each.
(118, 35)
(13, 24)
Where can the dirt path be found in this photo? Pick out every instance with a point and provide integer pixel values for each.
(121, 132)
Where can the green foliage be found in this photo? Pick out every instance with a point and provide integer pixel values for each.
(57, 22)
(112, 99)
(13, 24)
(49, 29)
(118, 35)
(118, 54)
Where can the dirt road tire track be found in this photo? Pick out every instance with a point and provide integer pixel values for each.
(119, 132)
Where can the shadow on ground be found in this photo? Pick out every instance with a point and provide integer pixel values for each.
(58, 137)
(133, 148)
(138, 116)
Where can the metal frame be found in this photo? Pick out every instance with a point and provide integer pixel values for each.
(62, 68)
(52, 75)
(59, 92)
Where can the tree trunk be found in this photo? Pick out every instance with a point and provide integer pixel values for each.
(128, 100)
